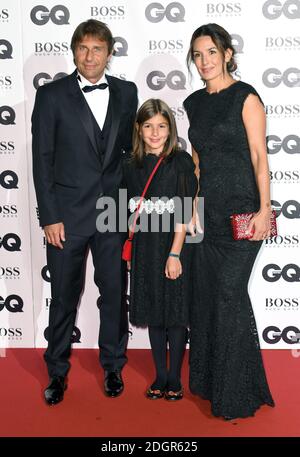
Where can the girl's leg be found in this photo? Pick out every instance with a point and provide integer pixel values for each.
(158, 341)
(177, 342)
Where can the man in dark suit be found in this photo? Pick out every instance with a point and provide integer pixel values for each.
(81, 127)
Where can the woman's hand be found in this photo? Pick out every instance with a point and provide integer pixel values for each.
(173, 268)
(260, 225)
(128, 265)
(194, 225)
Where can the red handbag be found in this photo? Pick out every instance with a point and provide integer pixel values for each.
(240, 222)
(127, 247)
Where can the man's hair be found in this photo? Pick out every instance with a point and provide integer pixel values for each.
(94, 28)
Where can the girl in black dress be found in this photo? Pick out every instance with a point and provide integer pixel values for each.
(160, 266)
(227, 133)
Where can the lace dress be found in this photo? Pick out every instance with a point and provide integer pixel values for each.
(154, 299)
(226, 366)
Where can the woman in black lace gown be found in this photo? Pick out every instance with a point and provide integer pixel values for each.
(227, 133)
(161, 261)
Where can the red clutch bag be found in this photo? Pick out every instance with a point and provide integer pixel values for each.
(240, 222)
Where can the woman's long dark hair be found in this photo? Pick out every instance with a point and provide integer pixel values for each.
(221, 39)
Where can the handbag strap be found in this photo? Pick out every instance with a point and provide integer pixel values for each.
(137, 212)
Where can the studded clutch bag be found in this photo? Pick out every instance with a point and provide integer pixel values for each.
(240, 222)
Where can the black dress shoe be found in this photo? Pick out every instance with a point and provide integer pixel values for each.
(113, 383)
(54, 393)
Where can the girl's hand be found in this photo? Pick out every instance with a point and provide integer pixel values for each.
(173, 268)
(260, 226)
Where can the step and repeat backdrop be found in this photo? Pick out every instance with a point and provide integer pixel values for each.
(151, 42)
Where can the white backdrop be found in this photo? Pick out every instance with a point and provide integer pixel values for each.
(152, 40)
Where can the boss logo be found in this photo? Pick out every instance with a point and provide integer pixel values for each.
(5, 82)
(223, 8)
(165, 45)
(4, 15)
(273, 334)
(9, 272)
(46, 274)
(7, 146)
(286, 176)
(175, 80)
(273, 77)
(8, 210)
(113, 12)
(6, 49)
(282, 42)
(120, 47)
(11, 333)
(76, 335)
(272, 9)
(48, 47)
(173, 12)
(44, 78)
(13, 304)
(283, 110)
(286, 241)
(7, 115)
(290, 209)
(9, 179)
(290, 144)
(282, 303)
(290, 273)
(178, 112)
(59, 15)
(238, 43)
(11, 242)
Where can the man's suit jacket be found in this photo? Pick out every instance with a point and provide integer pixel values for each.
(68, 174)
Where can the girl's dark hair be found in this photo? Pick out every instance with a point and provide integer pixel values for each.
(221, 39)
(151, 108)
(96, 29)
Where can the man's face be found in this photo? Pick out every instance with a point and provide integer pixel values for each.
(91, 57)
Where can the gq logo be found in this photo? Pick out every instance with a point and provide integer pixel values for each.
(290, 273)
(120, 47)
(290, 209)
(11, 242)
(7, 115)
(9, 179)
(44, 78)
(238, 43)
(290, 335)
(272, 9)
(175, 80)
(156, 12)
(59, 15)
(273, 77)
(46, 274)
(13, 304)
(6, 49)
(76, 335)
(290, 144)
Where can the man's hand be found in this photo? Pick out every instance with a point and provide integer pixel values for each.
(55, 234)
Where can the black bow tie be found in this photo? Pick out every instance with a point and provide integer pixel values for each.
(95, 86)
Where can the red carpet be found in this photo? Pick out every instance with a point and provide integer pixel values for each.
(85, 410)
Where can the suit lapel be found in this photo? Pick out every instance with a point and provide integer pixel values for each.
(115, 98)
(82, 109)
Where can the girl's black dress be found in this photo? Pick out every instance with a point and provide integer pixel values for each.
(154, 299)
(226, 366)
